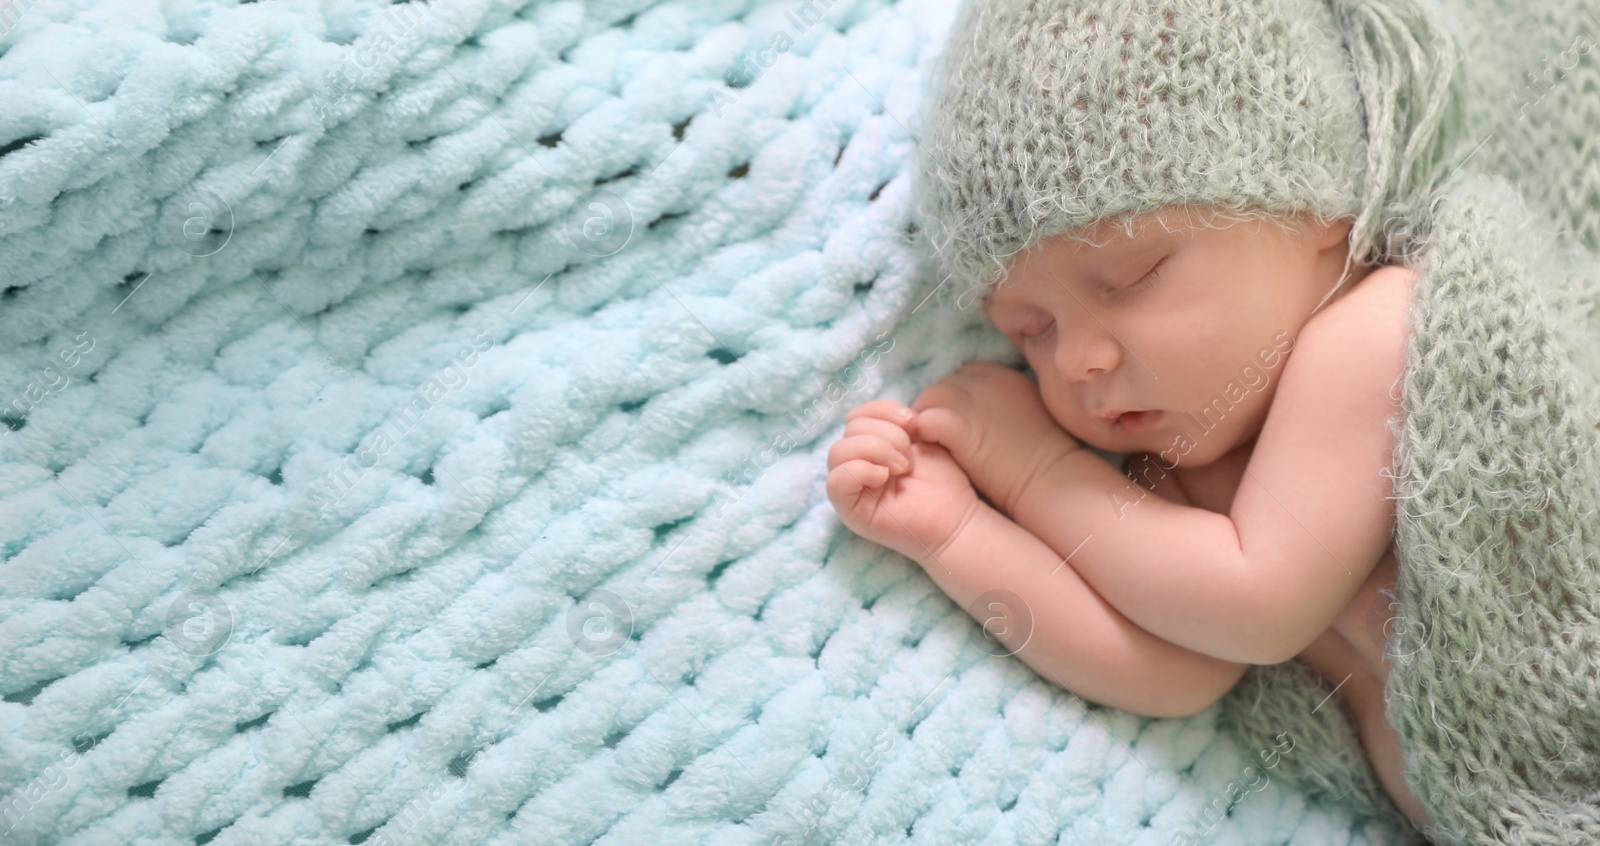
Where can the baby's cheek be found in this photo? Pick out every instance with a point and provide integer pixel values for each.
(1059, 410)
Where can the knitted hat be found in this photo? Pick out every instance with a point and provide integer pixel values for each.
(1047, 115)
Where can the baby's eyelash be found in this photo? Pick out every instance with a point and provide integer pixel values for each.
(1148, 280)
(1043, 328)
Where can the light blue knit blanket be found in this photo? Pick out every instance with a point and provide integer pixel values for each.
(414, 423)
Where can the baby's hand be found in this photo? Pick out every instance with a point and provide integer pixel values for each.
(910, 497)
(994, 423)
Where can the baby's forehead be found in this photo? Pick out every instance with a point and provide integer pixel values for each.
(1125, 234)
(1105, 236)
(1129, 232)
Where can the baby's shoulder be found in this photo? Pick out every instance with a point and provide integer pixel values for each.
(1390, 280)
(1359, 338)
(1382, 294)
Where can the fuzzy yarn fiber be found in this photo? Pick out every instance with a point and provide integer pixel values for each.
(414, 432)
(1050, 116)
(1494, 630)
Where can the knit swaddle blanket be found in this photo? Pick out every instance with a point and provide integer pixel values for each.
(1494, 623)
(414, 432)
(1493, 628)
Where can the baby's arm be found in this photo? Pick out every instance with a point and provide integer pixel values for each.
(911, 497)
(1077, 639)
(1310, 518)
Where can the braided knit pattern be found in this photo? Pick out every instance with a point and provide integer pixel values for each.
(414, 432)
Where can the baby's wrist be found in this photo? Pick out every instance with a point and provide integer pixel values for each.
(939, 554)
(1047, 453)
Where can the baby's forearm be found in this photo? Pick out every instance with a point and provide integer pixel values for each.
(1077, 638)
(1177, 571)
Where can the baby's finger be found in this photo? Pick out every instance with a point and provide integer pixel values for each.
(948, 392)
(852, 477)
(867, 448)
(941, 426)
(884, 410)
(894, 433)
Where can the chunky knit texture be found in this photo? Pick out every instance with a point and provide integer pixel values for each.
(592, 589)
(421, 506)
(1047, 116)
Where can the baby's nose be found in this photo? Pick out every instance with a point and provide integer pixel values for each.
(1081, 355)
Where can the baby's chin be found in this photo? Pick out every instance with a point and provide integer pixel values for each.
(1172, 447)
(1098, 440)
(1103, 444)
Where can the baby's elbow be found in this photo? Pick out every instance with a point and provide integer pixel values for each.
(1277, 634)
(1200, 698)
(1278, 648)
(1184, 709)
(1261, 646)
(1174, 707)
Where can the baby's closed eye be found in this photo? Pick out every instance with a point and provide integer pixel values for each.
(1035, 325)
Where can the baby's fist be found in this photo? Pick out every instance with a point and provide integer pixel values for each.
(908, 496)
(995, 424)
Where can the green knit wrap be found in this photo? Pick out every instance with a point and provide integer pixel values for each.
(1046, 116)
(1500, 398)
(1494, 640)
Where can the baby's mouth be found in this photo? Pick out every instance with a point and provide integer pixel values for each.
(1138, 422)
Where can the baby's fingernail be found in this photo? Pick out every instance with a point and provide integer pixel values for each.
(902, 462)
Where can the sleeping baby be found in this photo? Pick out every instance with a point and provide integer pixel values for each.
(1172, 212)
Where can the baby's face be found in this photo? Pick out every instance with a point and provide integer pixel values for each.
(1192, 323)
